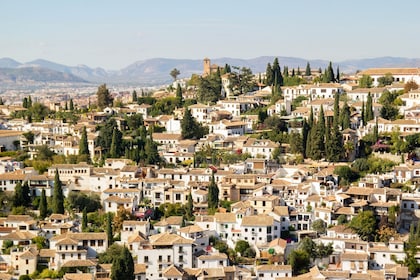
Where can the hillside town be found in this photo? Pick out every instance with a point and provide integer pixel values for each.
(227, 175)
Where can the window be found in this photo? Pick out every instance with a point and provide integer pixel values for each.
(27, 261)
(181, 259)
(146, 259)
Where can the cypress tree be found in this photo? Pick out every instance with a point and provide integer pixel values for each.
(18, 195)
(109, 232)
(26, 194)
(369, 108)
(134, 96)
(269, 75)
(151, 152)
(330, 73)
(83, 145)
(71, 105)
(363, 113)
(66, 107)
(113, 149)
(277, 77)
(189, 208)
(318, 145)
(305, 137)
(311, 131)
(123, 266)
(338, 75)
(213, 193)
(84, 219)
(179, 99)
(345, 116)
(29, 101)
(58, 197)
(298, 71)
(43, 206)
(308, 69)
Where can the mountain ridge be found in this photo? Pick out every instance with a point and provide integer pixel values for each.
(155, 71)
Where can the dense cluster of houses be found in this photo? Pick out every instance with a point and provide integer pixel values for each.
(275, 205)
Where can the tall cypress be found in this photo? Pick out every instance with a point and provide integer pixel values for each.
(369, 108)
(305, 136)
(113, 149)
(308, 69)
(363, 113)
(123, 266)
(71, 105)
(83, 145)
(277, 77)
(109, 231)
(43, 205)
(311, 131)
(58, 197)
(179, 99)
(213, 193)
(345, 116)
(189, 208)
(269, 75)
(84, 219)
(337, 79)
(318, 148)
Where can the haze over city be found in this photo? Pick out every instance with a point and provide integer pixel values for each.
(114, 34)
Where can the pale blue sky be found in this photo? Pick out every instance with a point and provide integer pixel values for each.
(114, 34)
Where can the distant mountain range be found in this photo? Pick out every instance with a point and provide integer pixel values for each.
(156, 71)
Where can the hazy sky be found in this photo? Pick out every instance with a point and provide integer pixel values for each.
(114, 34)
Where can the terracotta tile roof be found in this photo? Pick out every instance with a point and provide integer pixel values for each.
(67, 241)
(259, 221)
(278, 242)
(191, 229)
(273, 267)
(78, 276)
(393, 71)
(76, 263)
(354, 256)
(218, 256)
(47, 253)
(225, 217)
(18, 236)
(168, 239)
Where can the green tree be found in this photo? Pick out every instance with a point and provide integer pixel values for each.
(151, 152)
(300, 261)
(319, 226)
(337, 79)
(365, 81)
(174, 73)
(209, 88)
(190, 128)
(345, 116)
(104, 97)
(18, 195)
(84, 220)
(83, 144)
(43, 206)
(179, 98)
(269, 75)
(277, 76)
(134, 96)
(410, 85)
(213, 194)
(241, 246)
(71, 105)
(123, 266)
(109, 231)
(111, 253)
(113, 152)
(386, 80)
(58, 197)
(369, 108)
(308, 69)
(330, 77)
(365, 225)
(189, 207)
(296, 143)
